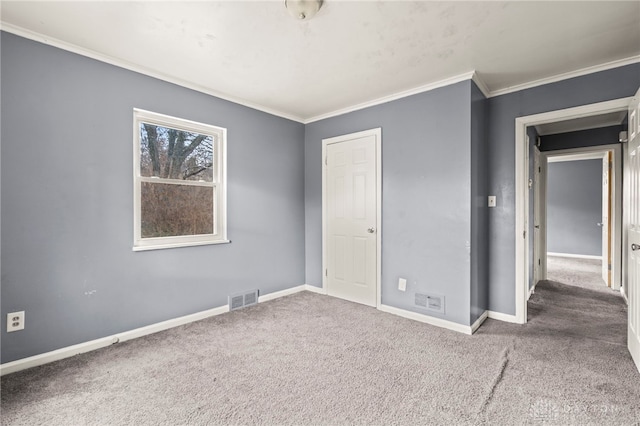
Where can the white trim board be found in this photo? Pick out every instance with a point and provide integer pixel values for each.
(69, 351)
(438, 322)
(499, 316)
(531, 291)
(471, 75)
(592, 155)
(476, 325)
(315, 289)
(567, 75)
(574, 256)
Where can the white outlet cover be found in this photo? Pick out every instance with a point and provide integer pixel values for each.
(492, 200)
(15, 321)
(402, 284)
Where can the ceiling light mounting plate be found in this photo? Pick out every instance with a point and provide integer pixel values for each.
(303, 9)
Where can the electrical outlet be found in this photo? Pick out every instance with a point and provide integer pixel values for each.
(15, 321)
(402, 284)
(492, 200)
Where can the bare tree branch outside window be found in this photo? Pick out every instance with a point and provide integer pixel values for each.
(174, 209)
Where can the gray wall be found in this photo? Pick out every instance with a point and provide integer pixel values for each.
(583, 138)
(66, 176)
(426, 194)
(503, 110)
(574, 207)
(67, 202)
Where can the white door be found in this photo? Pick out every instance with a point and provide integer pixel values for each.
(606, 208)
(351, 217)
(633, 263)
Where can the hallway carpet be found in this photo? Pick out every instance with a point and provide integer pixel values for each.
(585, 273)
(309, 359)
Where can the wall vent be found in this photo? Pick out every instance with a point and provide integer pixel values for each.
(242, 300)
(430, 302)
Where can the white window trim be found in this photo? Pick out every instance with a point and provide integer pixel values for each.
(219, 184)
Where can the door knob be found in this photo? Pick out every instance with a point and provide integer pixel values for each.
(635, 247)
(371, 230)
(600, 224)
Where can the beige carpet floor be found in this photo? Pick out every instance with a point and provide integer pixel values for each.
(308, 359)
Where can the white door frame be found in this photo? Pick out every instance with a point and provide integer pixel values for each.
(539, 217)
(522, 186)
(615, 238)
(377, 133)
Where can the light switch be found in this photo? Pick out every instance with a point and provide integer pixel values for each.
(492, 200)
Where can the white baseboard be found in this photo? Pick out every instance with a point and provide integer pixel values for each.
(531, 291)
(574, 256)
(466, 329)
(314, 289)
(476, 325)
(503, 317)
(624, 295)
(58, 354)
(281, 293)
(69, 351)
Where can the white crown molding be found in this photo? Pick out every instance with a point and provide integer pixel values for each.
(481, 85)
(32, 35)
(399, 95)
(472, 75)
(566, 76)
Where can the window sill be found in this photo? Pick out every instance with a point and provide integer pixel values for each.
(177, 245)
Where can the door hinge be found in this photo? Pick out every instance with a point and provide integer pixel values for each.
(326, 272)
(524, 234)
(539, 262)
(325, 161)
(609, 266)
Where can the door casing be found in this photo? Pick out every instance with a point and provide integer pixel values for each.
(614, 244)
(521, 236)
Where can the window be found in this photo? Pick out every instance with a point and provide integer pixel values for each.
(179, 182)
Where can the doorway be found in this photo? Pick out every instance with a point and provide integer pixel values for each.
(522, 237)
(351, 219)
(581, 200)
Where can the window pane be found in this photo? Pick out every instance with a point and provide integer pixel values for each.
(175, 154)
(174, 210)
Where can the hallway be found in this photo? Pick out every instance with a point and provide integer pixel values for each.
(585, 273)
(575, 301)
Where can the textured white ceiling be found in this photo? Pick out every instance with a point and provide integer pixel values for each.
(351, 52)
